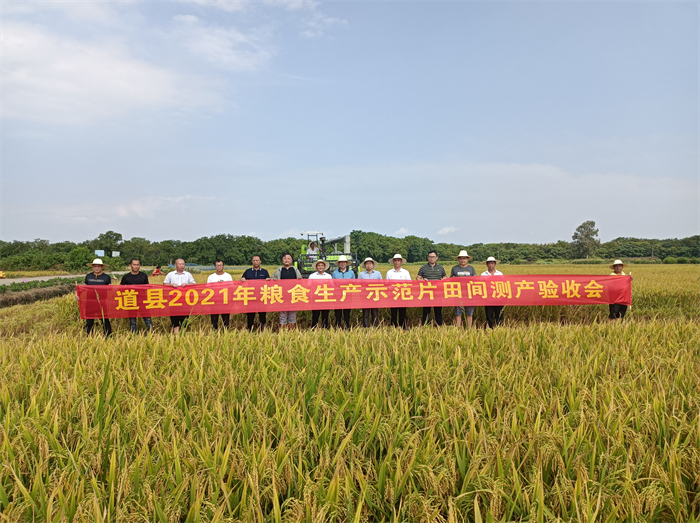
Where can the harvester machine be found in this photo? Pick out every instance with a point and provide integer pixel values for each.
(328, 249)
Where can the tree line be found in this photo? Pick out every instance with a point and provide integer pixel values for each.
(237, 250)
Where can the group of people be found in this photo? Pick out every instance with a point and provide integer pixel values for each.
(288, 319)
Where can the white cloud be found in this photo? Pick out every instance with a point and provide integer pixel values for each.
(151, 206)
(104, 13)
(292, 5)
(223, 47)
(447, 230)
(58, 79)
(401, 232)
(224, 5)
(318, 23)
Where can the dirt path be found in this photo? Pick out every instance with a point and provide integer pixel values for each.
(9, 281)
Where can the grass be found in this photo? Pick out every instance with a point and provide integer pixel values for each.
(557, 416)
(594, 423)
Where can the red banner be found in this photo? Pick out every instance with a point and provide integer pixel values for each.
(129, 301)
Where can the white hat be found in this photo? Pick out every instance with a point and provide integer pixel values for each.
(463, 254)
(491, 258)
(96, 261)
(369, 258)
(616, 262)
(324, 262)
(398, 257)
(342, 257)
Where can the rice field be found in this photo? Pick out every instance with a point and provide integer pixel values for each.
(559, 415)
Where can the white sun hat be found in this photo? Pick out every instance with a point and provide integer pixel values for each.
(324, 262)
(342, 257)
(96, 261)
(617, 262)
(491, 258)
(463, 254)
(369, 258)
(398, 257)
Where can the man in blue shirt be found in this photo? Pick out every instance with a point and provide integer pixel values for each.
(343, 272)
(256, 273)
(370, 274)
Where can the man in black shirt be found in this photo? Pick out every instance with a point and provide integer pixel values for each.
(136, 277)
(97, 277)
(256, 273)
(432, 271)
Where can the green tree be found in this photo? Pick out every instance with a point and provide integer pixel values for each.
(78, 257)
(585, 239)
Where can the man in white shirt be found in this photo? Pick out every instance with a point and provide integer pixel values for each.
(320, 274)
(493, 313)
(398, 314)
(178, 278)
(312, 251)
(217, 277)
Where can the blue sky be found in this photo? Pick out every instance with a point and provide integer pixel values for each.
(463, 122)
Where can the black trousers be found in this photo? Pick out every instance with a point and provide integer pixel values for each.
(215, 320)
(493, 315)
(438, 315)
(106, 326)
(617, 310)
(342, 316)
(251, 319)
(365, 317)
(179, 321)
(324, 318)
(398, 317)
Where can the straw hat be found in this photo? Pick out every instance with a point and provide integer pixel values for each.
(491, 258)
(96, 261)
(617, 262)
(369, 258)
(463, 254)
(342, 257)
(397, 257)
(325, 264)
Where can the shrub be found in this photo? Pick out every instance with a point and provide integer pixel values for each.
(681, 259)
(670, 259)
(694, 260)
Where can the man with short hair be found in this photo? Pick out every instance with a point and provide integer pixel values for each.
(97, 277)
(370, 274)
(312, 251)
(218, 277)
(320, 274)
(256, 273)
(343, 272)
(398, 314)
(432, 271)
(493, 312)
(460, 271)
(136, 277)
(178, 278)
(288, 319)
